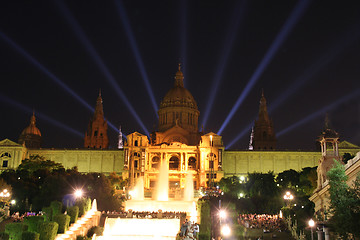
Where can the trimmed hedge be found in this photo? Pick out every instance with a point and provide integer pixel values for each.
(30, 235)
(81, 204)
(87, 204)
(73, 212)
(33, 222)
(95, 230)
(15, 230)
(48, 230)
(56, 207)
(47, 211)
(64, 221)
(4, 236)
(205, 218)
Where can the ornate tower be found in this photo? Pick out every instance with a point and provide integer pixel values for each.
(31, 135)
(264, 135)
(329, 141)
(96, 134)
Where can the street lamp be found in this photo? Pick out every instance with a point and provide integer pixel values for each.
(288, 196)
(311, 225)
(225, 230)
(78, 193)
(211, 163)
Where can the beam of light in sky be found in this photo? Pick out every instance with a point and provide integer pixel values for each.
(295, 15)
(183, 37)
(100, 63)
(336, 48)
(40, 116)
(135, 49)
(238, 15)
(246, 130)
(43, 69)
(321, 112)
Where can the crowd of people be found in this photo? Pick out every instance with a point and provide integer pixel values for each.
(17, 217)
(189, 230)
(146, 214)
(266, 222)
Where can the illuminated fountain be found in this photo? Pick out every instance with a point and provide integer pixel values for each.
(153, 228)
(161, 200)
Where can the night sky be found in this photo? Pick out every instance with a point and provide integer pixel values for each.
(56, 55)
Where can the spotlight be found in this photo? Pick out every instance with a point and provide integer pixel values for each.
(135, 49)
(280, 38)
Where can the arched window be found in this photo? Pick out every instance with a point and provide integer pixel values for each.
(136, 143)
(192, 163)
(155, 162)
(174, 163)
(6, 154)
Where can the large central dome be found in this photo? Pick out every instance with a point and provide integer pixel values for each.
(178, 96)
(178, 107)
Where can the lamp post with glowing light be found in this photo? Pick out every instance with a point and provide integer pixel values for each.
(288, 197)
(78, 193)
(211, 163)
(311, 225)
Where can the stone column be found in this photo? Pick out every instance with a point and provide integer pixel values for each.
(327, 235)
(319, 234)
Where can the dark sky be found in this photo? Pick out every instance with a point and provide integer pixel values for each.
(56, 55)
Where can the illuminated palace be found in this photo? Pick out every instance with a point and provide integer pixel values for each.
(177, 143)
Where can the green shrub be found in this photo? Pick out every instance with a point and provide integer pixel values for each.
(56, 207)
(64, 221)
(30, 235)
(33, 222)
(95, 230)
(82, 238)
(205, 218)
(47, 211)
(15, 230)
(4, 236)
(48, 230)
(81, 204)
(73, 212)
(87, 204)
(204, 236)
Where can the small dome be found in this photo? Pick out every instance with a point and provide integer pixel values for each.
(31, 129)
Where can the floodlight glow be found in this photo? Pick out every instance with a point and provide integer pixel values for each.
(100, 63)
(78, 193)
(183, 37)
(311, 223)
(238, 14)
(222, 214)
(43, 69)
(135, 49)
(246, 130)
(40, 115)
(321, 112)
(280, 38)
(225, 230)
(12, 202)
(332, 52)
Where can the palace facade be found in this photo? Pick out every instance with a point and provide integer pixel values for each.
(178, 143)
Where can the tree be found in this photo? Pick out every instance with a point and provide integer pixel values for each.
(231, 186)
(288, 179)
(344, 203)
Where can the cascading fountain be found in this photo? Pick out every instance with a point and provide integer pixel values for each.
(157, 228)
